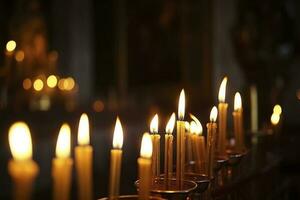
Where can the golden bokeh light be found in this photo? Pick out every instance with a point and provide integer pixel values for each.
(11, 45)
(51, 81)
(275, 118)
(20, 55)
(38, 85)
(20, 141)
(27, 84)
(277, 109)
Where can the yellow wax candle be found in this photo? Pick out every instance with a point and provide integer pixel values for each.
(198, 145)
(180, 151)
(84, 159)
(21, 168)
(211, 140)
(115, 161)
(254, 108)
(222, 133)
(144, 164)
(189, 151)
(168, 165)
(62, 165)
(156, 146)
(238, 123)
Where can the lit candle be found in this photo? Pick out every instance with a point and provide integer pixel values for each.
(84, 159)
(168, 165)
(211, 140)
(238, 123)
(198, 144)
(115, 161)
(180, 151)
(21, 168)
(254, 109)
(189, 152)
(156, 146)
(222, 134)
(144, 164)
(62, 164)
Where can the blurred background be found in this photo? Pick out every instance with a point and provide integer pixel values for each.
(131, 58)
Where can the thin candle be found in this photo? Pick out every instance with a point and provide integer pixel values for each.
(62, 165)
(222, 107)
(254, 108)
(21, 168)
(189, 151)
(156, 146)
(180, 151)
(144, 164)
(198, 145)
(84, 159)
(238, 123)
(115, 161)
(168, 164)
(211, 141)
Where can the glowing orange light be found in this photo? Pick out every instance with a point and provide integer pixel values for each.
(38, 85)
(181, 105)
(213, 114)
(20, 56)
(154, 124)
(27, 84)
(11, 45)
(51, 81)
(63, 145)
(98, 106)
(222, 90)
(83, 130)
(118, 135)
(237, 101)
(171, 124)
(146, 146)
(199, 128)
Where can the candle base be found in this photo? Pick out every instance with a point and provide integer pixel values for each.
(132, 197)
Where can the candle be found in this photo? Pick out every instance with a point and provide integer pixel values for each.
(115, 161)
(21, 168)
(211, 139)
(168, 165)
(144, 164)
(156, 146)
(62, 164)
(238, 122)
(180, 151)
(221, 138)
(189, 152)
(84, 159)
(198, 144)
(254, 109)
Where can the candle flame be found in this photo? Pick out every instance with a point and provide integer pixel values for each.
(118, 135)
(213, 114)
(222, 90)
(198, 125)
(154, 124)
(237, 101)
(63, 145)
(171, 124)
(277, 109)
(20, 141)
(275, 118)
(193, 127)
(83, 137)
(11, 45)
(146, 146)
(181, 105)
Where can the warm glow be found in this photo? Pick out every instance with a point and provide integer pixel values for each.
(154, 124)
(237, 101)
(187, 126)
(63, 145)
(146, 146)
(181, 105)
(170, 124)
(51, 81)
(20, 141)
(222, 90)
(275, 118)
(118, 135)
(20, 56)
(277, 109)
(199, 127)
(213, 114)
(38, 84)
(84, 130)
(61, 84)
(193, 127)
(27, 84)
(69, 83)
(11, 45)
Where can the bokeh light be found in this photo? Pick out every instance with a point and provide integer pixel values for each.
(38, 85)
(27, 84)
(20, 55)
(11, 45)
(98, 106)
(51, 81)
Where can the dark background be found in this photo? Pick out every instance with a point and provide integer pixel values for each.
(131, 58)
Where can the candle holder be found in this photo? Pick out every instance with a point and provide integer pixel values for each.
(170, 189)
(234, 157)
(133, 197)
(220, 162)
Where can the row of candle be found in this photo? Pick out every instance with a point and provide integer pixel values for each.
(23, 169)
